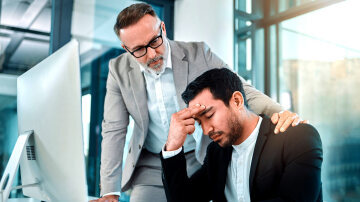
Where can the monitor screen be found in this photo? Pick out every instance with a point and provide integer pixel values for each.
(49, 103)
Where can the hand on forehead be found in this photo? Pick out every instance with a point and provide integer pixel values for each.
(197, 109)
(192, 111)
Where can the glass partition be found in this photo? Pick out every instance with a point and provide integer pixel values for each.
(319, 78)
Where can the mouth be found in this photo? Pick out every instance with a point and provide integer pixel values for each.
(216, 137)
(154, 62)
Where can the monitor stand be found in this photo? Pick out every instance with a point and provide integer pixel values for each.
(12, 167)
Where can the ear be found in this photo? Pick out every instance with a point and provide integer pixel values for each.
(237, 100)
(163, 28)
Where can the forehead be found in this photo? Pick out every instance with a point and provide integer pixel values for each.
(206, 98)
(141, 32)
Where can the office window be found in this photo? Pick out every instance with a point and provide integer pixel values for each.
(318, 78)
(287, 4)
(305, 54)
(278, 6)
(243, 38)
(243, 5)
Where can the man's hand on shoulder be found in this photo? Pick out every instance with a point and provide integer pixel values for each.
(107, 198)
(284, 119)
(182, 123)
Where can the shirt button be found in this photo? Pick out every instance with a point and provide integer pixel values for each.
(129, 150)
(139, 146)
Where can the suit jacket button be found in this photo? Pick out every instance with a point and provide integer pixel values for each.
(139, 146)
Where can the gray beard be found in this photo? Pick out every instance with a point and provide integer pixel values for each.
(158, 68)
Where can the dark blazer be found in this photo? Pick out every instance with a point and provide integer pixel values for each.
(284, 167)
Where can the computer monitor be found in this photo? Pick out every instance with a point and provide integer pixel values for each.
(49, 104)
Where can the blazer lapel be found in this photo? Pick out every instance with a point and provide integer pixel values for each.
(181, 71)
(138, 88)
(260, 142)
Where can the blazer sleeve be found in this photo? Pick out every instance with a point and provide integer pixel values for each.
(303, 157)
(258, 102)
(114, 128)
(178, 186)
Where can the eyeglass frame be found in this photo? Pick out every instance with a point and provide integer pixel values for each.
(148, 45)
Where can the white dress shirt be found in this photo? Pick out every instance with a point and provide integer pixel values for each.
(162, 103)
(237, 179)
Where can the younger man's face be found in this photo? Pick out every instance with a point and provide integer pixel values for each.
(217, 120)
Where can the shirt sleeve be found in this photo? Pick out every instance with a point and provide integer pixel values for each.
(169, 154)
(112, 193)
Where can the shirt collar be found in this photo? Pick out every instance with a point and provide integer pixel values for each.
(252, 138)
(168, 61)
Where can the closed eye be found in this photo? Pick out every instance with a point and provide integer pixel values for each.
(154, 41)
(209, 117)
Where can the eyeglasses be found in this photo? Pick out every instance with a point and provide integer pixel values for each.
(141, 51)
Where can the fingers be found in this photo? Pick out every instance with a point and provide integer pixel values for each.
(275, 118)
(287, 123)
(108, 198)
(196, 109)
(305, 121)
(190, 129)
(285, 119)
(296, 121)
(280, 122)
(189, 121)
(181, 124)
(191, 111)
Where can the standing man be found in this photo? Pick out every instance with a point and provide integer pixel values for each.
(246, 161)
(146, 83)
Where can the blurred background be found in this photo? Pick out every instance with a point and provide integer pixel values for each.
(305, 54)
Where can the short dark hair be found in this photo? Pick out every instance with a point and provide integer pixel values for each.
(222, 83)
(131, 15)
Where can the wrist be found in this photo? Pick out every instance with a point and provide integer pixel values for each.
(169, 146)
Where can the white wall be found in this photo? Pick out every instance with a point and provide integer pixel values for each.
(210, 21)
(82, 26)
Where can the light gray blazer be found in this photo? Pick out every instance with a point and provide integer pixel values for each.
(126, 95)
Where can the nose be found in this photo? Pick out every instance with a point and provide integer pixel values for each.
(151, 53)
(207, 128)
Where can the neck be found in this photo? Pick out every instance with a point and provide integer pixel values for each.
(249, 122)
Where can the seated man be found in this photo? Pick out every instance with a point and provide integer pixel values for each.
(246, 161)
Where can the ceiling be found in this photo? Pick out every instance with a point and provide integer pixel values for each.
(25, 27)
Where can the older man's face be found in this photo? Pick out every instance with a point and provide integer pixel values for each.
(139, 35)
